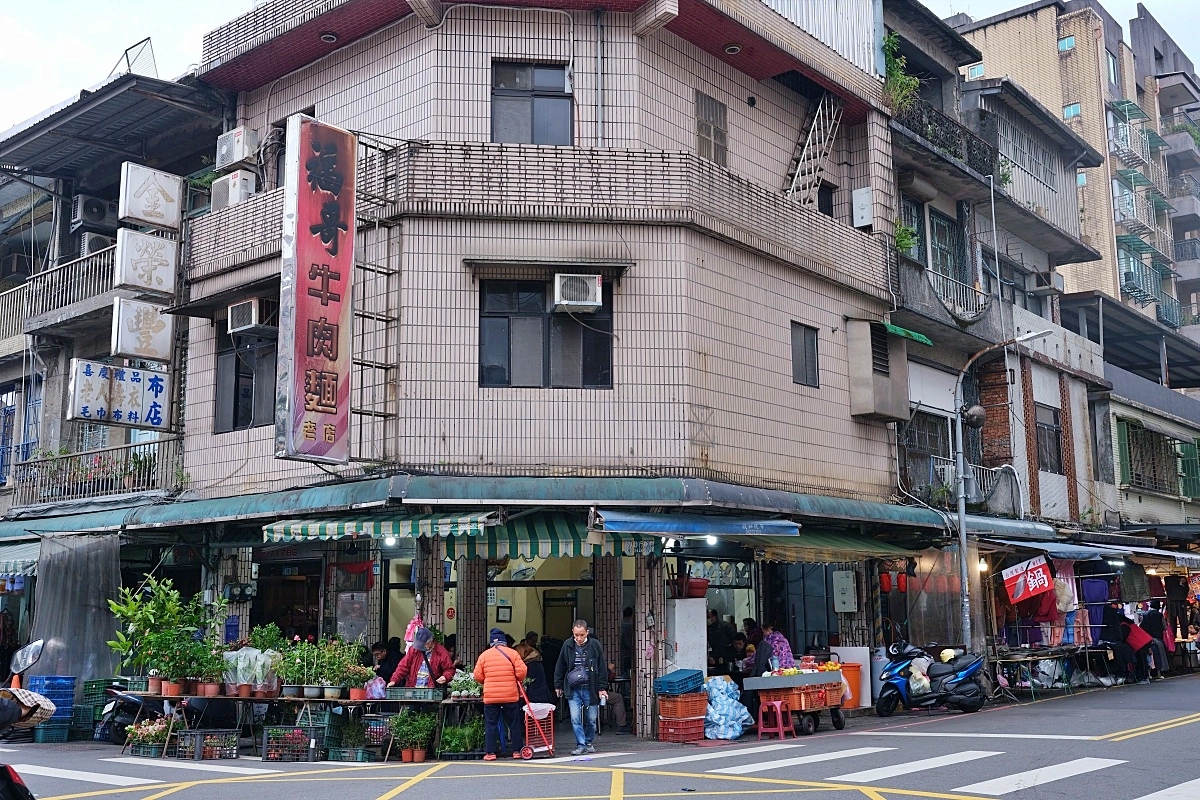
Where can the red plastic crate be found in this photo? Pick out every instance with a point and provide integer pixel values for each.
(534, 739)
(684, 706)
(681, 730)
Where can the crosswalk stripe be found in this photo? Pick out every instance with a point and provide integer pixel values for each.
(1036, 777)
(745, 751)
(1184, 791)
(878, 774)
(79, 775)
(763, 766)
(915, 735)
(174, 764)
(588, 757)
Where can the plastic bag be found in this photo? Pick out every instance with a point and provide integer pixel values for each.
(539, 710)
(725, 717)
(376, 689)
(411, 630)
(918, 681)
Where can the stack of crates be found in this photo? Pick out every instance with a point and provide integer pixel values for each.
(325, 718)
(682, 705)
(60, 690)
(90, 708)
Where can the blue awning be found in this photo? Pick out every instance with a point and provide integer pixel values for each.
(679, 525)
(1074, 552)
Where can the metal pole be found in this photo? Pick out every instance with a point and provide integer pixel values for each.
(964, 591)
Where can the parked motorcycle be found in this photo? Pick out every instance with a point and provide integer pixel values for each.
(13, 713)
(954, 684)
(124, 708)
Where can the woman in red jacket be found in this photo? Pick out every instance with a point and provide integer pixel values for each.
(426, 665)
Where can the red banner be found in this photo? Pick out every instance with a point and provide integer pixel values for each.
(1028, 579)
(312, 409)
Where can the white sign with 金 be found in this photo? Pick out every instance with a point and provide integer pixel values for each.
(141, 330)
(150, 197)
(110, 395)
(145, 262)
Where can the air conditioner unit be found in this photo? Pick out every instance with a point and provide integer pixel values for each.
(254, 317)
(93, 243)
(1047, 283)
(232, 189)
(237, 148)
(15, 264)
(93, 214)
(578, 293)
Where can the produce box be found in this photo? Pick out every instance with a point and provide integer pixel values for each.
(789, 681)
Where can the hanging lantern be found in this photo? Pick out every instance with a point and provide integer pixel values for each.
(902, 582)
(885, 582)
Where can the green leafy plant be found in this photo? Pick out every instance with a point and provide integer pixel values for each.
(298, 664)
(267, 637)
(356, 676)
(906, 237)
(148, 731)
(422, 728)
(466, 738)
(900, 90)
(400, 726)
(210, 664)
(156, 607)
(1006, 172)
(354, 734)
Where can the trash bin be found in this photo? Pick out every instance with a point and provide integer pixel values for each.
(853, 675)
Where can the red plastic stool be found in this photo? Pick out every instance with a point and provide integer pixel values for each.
(782, 722)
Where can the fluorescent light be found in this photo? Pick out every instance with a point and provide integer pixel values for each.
(710, 540)
(1116, 563)
(390, 541)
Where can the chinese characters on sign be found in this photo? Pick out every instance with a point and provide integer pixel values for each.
(150, 197)
(145, 262)
(113, 395)
(142, 331)
(312, 410)
(1028, 579)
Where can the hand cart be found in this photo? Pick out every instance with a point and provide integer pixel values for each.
(543, 725)
(806, 696)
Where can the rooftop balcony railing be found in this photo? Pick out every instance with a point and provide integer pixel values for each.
(949, 137)
(1187, 250)
(145, 466)
(71, 283)
(963, 299)
(1128, 143)
(1184, 186)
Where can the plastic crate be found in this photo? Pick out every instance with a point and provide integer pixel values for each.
(146, 750)
(94, 691)
(683, 706)
(137, 684)
(471, 755)
(82, 716)
(293, 743)
(64, 712)
(102, 732)
(401, 693)
(208, 744)
(349, 754)
(51, 733)
(79, 734)
(51, 683)
(681, 730)
(681, 681)
(377, 727)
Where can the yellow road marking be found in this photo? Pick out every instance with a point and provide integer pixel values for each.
(172, 790)
(1131, 732)
(413, 781)
(1159, 729)
(616, 789)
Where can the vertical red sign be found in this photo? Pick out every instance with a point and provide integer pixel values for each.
(312, 407)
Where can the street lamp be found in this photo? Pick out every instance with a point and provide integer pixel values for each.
(964, 590)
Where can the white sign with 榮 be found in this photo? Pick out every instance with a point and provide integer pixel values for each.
(145, 262)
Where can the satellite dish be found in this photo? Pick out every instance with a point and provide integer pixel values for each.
(974, 417)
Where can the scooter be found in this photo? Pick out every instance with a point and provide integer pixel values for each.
(954, 685)
(11, 785)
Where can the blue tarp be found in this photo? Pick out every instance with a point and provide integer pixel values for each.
(1075, 552)
(693, 525)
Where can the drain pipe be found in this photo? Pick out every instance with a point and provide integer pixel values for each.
(599, 77)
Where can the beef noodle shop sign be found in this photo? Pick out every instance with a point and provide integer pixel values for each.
(312, 407)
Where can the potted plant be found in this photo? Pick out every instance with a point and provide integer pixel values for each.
(462, 742)
(156, 607)
(210, 668)
(421, 731)
(170, 651)
(354, 741)
(267, 638)
(147, 738)
(356, 679)
(401, 727)
(333, 663)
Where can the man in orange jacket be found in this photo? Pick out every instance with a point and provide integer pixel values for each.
(501, 669)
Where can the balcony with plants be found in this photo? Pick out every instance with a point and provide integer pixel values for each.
(60, 476)
(1181, 133)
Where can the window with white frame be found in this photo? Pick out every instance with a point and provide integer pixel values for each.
(1071, 111)
(974, 72)
(712, 129)
(1049, 439)
(1066, 44)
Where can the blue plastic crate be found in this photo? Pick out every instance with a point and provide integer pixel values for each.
(681, 681)
(51, 683)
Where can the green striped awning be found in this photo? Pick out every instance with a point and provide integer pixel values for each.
(549, 536)
(20, 558)
(379, 527)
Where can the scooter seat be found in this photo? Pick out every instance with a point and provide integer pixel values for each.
(940, 670)
(962, 662)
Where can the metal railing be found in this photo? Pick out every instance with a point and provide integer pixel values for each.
(1183, 121)
(1134, 212)
(962, 299)
(947, 474)
(1189, 314)
(1162, 240)
(1187, 249)
(71, 283)
(12, 311)
(1153, 170)
(1129, 143)
(949, 137)
(1140, 281)
(1169, 311)
(96, 473)
(1184, 186)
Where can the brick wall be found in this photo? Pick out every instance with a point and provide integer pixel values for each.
(1030, 415)
(1070, 469)
(997, 429)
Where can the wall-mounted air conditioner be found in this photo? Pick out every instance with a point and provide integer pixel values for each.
(237, 148)
(578, 293)
(234, 188)
(1046, 283)
(93, 214)
(258, 316)
(15, 265)
(90, 243)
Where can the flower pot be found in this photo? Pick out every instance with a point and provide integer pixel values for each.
(312, 692)
(261, 693)
(290, 690)
(244, 690)
(170, 689)
(154, 685)
(333, 692)
(208, 689)
(418, 754)
(358, 694)
(406, 754)
(189, 687)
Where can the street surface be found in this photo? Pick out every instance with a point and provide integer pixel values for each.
(1128, 743)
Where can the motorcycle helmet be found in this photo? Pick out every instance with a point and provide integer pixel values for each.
(946, 656)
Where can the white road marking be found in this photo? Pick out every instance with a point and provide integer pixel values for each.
(588, 757)
(78, 775)
(176, 764)
(1047, 736)
(656, 762)
(1184, 791)
(8, 750)
(878, 774)
(1036, 777)
(763, 766)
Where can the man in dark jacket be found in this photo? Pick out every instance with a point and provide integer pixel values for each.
(577, 674)
(1155, 624)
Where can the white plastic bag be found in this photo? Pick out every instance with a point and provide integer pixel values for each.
(539, 710)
